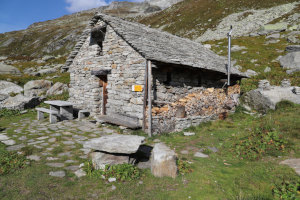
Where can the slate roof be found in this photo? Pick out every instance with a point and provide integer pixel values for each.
(160, 46)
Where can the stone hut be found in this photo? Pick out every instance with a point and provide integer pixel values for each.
(118, 66)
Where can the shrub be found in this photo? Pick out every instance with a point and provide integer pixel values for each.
(287, 190)
(262, 141)
(7, 112)
(184, 167)
(122, 172)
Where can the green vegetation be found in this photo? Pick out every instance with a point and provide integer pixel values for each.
(221, 176)
(258, 56)
(122, 172)
(10, 161)
(8, 113)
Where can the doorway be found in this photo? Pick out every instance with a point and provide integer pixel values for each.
(103, 83)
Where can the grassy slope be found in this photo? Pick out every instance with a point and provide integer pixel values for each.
(190, 18)
(221, 176)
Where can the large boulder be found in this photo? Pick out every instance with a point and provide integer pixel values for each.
(20, 102)
(290, 60)
(163, 161)
(293, 48)
(6, 88)
(126, 144)
(36, 87)
(8, 69)
(100, 159)
(266, 97)
(278, 27)
(57, 88)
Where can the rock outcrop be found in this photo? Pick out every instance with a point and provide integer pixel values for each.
(7, 88)
(57, 88)
(8, 69)
(36, 87)
(20, 102)
(266, 97)
(291, 61)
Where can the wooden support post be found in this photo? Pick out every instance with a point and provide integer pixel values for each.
(145, 96)
(149, 99)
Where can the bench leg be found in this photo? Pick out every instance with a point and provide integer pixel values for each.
(80, 115)
(40, 115)
(52, 118)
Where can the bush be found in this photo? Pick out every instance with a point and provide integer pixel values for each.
(122, 172)
(184, 167)
(289, 190)
(10, 161)
(262, 141)
(7, 113)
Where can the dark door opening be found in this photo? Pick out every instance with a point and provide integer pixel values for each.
(103, 83)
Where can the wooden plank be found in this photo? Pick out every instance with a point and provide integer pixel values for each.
(119, 121)
(149, 99)
(145, 97)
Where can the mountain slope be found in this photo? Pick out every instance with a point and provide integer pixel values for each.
(191, 18)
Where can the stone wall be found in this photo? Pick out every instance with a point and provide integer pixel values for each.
(127, 69)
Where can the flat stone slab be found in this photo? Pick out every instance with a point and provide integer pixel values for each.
(80, 173)
(34, 157)
(15, 147)
(55, 164)
(293, 163)
(59, 174)
(126, 144)
(188, 133)
(200, 155)
(8, 142)
(3, 137)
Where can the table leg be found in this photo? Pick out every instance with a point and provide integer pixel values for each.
(66, 112)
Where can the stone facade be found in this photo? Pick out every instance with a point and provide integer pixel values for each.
(127, 68)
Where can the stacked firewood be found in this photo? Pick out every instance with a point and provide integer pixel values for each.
(204, 102)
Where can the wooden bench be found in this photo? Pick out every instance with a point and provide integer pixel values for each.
(82, 113)
(53, 115)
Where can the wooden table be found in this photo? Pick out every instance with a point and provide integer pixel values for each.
(64, 108)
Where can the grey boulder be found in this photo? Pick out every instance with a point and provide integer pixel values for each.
(278, 27)
(20, 102)
(163, 161)
(36, 87)
(290, 61)
(57, 88)
(9, 87)
(292, 48)
(115, 143)
(8, 69)
(46, 71)
(263, 99)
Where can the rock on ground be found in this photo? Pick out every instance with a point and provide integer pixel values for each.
(8, 69)
(263, 99)
(293, 163)
(292, 48)
(250, 73)
(36, 87)
(200, 155)
(290, 60)
(126, 144)
(100, 159)
(163, 161)
(20, 102)
(80, 173)
(59, 174)
(57, 88)
(46, 71)
(9, 87)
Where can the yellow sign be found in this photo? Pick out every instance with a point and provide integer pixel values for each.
(137, 88)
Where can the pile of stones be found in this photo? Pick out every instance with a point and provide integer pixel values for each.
(119, 149)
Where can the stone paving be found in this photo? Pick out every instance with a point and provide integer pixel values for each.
(58, 145)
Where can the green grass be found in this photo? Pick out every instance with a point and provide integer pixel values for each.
(265, 56)
(224, 175)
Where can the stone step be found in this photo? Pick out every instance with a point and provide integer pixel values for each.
(120, 120)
